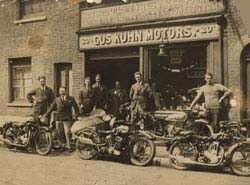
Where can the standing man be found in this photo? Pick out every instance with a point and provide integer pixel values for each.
(211, 92)
(117, 97)
(63, 106)
(139, 94)
(86, 100)
(41, 97)
(100, 93)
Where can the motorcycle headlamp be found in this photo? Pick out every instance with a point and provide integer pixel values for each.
(243, 129)
(43, 119)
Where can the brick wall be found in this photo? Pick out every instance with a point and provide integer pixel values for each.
(59, 44)
(237, 38)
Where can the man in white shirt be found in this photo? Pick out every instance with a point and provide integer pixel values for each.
(211, 92)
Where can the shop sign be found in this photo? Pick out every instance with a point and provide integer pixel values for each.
(150, 36)
(147, 11)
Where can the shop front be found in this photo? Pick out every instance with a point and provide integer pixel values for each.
(192, 47)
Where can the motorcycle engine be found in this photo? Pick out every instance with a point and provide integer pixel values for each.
(211, 153)
(17, 134)
(115, 145)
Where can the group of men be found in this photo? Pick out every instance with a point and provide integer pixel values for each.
(97, 96)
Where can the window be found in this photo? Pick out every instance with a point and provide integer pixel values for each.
(29, 8)
(21, 79)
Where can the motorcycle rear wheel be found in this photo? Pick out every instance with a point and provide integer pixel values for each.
(138, 151)
(240, 160)
(176, 150)
(84, 151)
(43, 142)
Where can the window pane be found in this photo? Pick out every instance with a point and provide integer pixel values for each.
(28, 83)
(18, 93)
(17, 83)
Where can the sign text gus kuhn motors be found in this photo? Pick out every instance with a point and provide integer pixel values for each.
(150, 36)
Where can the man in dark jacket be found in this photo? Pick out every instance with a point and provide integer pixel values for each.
(116, 97)
(63, 106)
(86, 100)
(41, 97)
(100, 93)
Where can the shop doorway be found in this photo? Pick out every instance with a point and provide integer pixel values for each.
(175, 74)
(245, 82)
(122, 69)
(64, 77)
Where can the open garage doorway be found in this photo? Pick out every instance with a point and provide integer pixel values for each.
(112, 70)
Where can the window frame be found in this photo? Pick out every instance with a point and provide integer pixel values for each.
(24, 62)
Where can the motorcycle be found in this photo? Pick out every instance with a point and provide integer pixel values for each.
(187, 119)
(27, 134)
(228, 147)
(110, 137)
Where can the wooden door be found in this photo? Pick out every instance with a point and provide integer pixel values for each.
(64, 77)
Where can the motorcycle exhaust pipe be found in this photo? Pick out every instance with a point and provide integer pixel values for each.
(6, 141)
(87, 141)
(188, 161)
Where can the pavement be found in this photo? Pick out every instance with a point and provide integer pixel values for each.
(19, 168)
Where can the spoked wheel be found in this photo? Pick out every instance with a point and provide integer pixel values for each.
(43, 142)
(240, 160)
(142, 151)
(83, 150)
(200, 129)
(177, 151)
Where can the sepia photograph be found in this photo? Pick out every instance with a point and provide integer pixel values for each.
(124, 92)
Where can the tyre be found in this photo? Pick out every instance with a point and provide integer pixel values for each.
(200, 129)
(176, 151)
(142, 151)
(84, 151)
(43, 142)
(240, 160)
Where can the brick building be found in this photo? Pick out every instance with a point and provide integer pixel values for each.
(116, 38)
(37, 37)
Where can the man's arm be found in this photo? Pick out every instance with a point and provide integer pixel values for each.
(199, 94)
(51, 96)
(131, 93)
(80, 98)
(227, 92)
(51, 108)
(75, 106)
(30, 94)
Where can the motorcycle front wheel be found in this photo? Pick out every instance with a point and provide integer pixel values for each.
(85, 151)
(176, 152)
(142, 151)
(240, 160)
(43, 142)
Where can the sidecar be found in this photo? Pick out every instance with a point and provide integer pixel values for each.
(97, 118)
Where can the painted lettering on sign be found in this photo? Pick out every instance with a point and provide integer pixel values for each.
(147, 11)
(150, 36)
